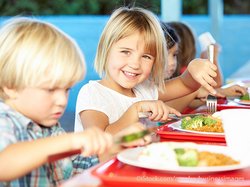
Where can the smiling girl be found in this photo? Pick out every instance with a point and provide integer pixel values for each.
(131, 59)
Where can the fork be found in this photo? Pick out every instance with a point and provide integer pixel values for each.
(211, 103)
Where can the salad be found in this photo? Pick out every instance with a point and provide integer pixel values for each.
(204, 123)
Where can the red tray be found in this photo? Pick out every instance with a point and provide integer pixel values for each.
(116, 173)
(168, 133)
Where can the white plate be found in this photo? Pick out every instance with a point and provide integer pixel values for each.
(242, 102)
(130, 156)
(177, 126)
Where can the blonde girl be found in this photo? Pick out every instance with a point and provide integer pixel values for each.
(130, 60)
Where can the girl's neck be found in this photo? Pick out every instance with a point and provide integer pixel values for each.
(118, 88)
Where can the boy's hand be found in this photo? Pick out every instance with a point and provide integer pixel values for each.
(134, 128)
(93, 141)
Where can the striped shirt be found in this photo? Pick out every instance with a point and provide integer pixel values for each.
(14, 127)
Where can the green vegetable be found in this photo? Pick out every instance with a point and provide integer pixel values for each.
(197, 121)
(245, 97)
(187, 157)
(179, 151)
(134, 136)
(208, 121)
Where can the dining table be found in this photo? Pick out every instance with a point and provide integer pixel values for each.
(113, 172)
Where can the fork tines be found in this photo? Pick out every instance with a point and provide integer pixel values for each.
(211, 104)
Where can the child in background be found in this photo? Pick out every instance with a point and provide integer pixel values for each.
(131, 59)
(198, 97)
(172, 40)
(38, 65)
(187, 50)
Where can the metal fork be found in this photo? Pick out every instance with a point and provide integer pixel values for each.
(211, 100)
(211, 104)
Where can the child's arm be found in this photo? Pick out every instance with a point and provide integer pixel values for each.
(20, 158)
(158, 109)
(183, 102)
(200, 72)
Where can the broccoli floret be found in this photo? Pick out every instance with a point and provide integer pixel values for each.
(197, 121)
(187, 157)
(245, 97)
(194, 122)
(208, 121)
(179, 151)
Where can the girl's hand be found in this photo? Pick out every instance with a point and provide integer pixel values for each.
(233, 91)
(204, 73)
(93, 141)
(158, 109)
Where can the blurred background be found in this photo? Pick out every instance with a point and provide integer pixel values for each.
(227, 20)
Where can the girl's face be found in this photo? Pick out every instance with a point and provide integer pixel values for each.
(43, 105)
(171, 61)
(128, 63)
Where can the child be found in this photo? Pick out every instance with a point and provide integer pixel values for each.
(38, 65)
(172, 40)
(187, 48)
(131, 61)
(198, 97)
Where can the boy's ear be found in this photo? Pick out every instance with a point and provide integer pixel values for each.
(11, 93)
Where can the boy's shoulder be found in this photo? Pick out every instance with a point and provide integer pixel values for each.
(7, 112)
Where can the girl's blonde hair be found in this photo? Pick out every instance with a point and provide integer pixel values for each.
(124, 22)
(33, 52)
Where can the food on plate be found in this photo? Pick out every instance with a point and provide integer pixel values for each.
(215, 159)
(245, 97)
(203, 123)
(159, 153)
(174, 155)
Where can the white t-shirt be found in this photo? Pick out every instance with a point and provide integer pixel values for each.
(94, 96)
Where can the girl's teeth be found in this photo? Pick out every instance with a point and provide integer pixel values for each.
(130, 74)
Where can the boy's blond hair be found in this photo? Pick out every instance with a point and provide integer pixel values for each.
(124, 22)
(33, 52)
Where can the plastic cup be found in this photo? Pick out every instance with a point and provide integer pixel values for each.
(236, 124)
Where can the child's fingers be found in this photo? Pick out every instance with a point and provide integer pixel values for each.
(96, 142)
(105, 142)
(240, 90)
(210, 89)
(209, 80)
(139, 142)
